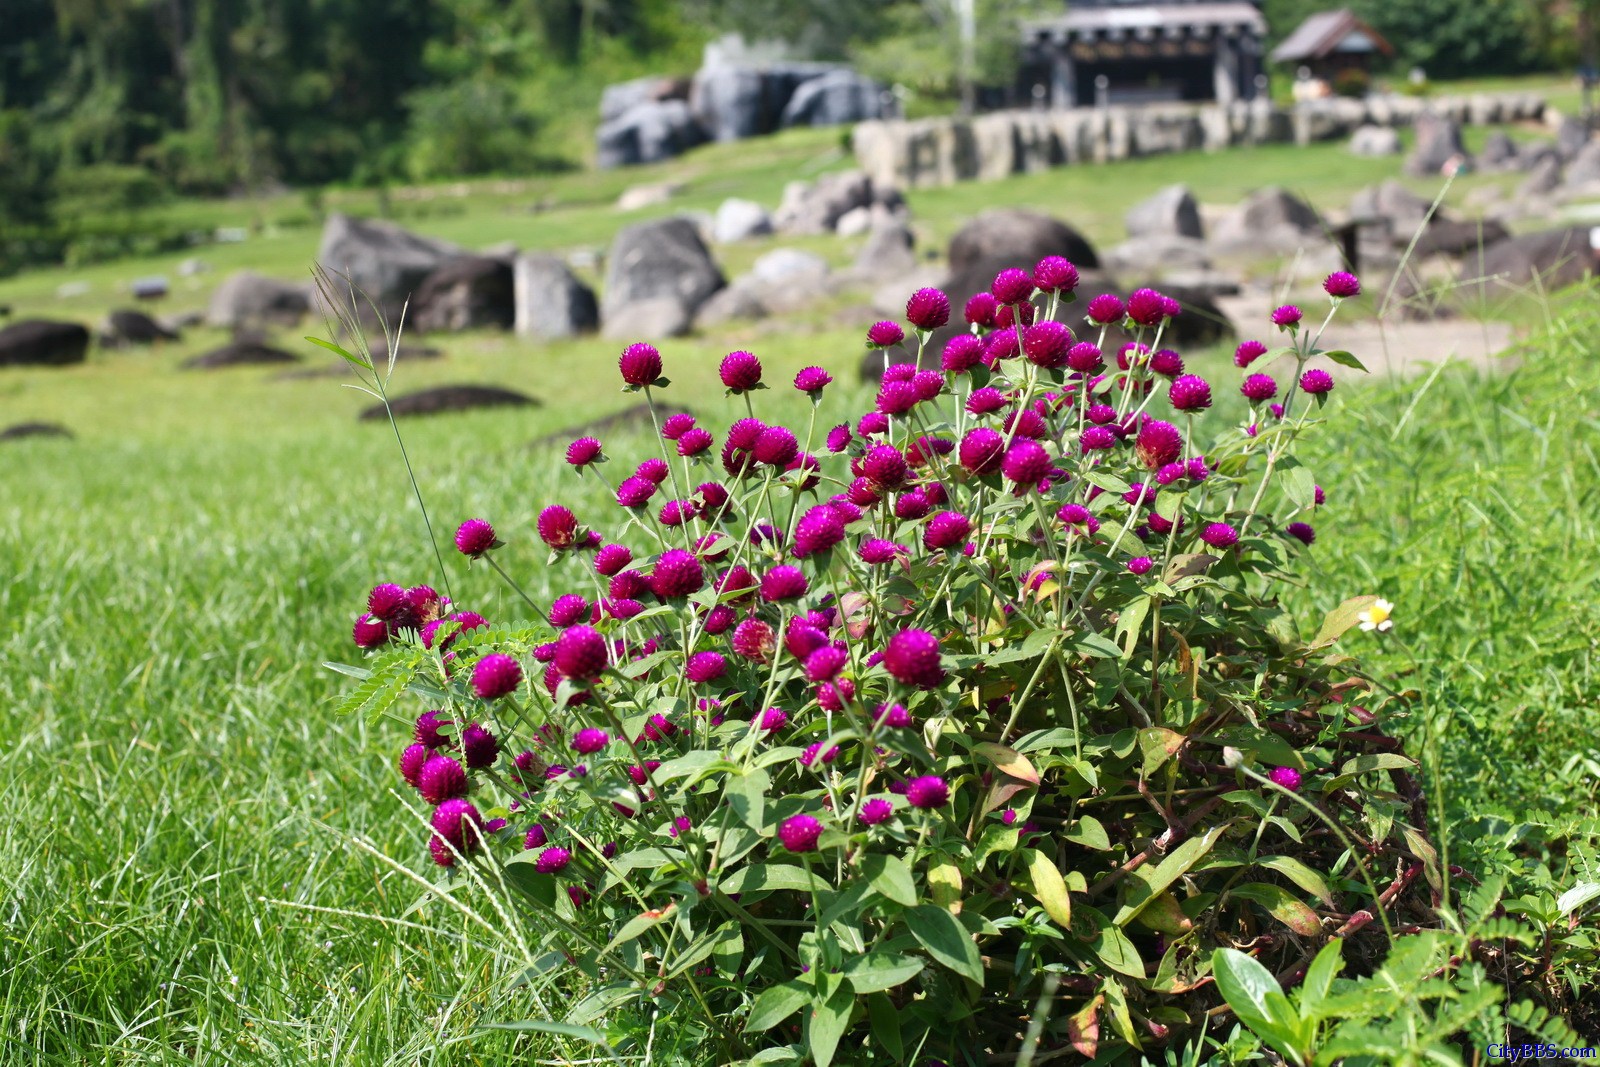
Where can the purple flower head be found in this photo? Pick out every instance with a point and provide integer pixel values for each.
(611, 559)
(912, 658)
(1288, 777)
(1190, 393)
(754, 640)
(695, 441)
(1147, 307)
(1158, 444)
(1166, 363)
(1002, 344)
(640, 364)
(772, 720)
(495, 676)
(581, 654)
(1105, 309)
(839, 438)
(478, 747)
(675, 426)
(872, 424)
(985, 401)
(894, 716)
(440, 779)
(536, 837)
(1073, 514)
(589, 740)
(1341, 285)
(928, 384)
(825, 663)
(1012, 286)
(981, 308)
(458, 822)
(411, 762)
(369, 632)
(929, 791)
(1220, 535)
(1097, 438)
(552, 860)
(912, 505)
(896, 398)
(1286, 317)
(783, 583)
(558, 527)
(776, 446)
(928, 309)
(740, 371)
(1319, 496)
(948, 529)
(982, 450)
(885, 467)
(1025, 463)
(1054, 274)
(885, 334)
(875, 811)
(961, 353)
(1248, 352)
(1046, 343)
(567, 610)
(900, 372)
(812, 380)
(474, 537)
(1259, 387)
(583, 451)
(1301, 531)
(387, 602)
(1317, 382)
(705, 667)
(878, 552)
(799, 833)
(819, 529)
(678, 574)
(1140, 565)
(720, 619)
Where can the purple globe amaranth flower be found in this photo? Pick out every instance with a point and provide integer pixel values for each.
(1140, 565)
(1000, 345)
(912, 658)
(1189, 393)
(1286, 317)
(885, 334)
(581, 654)
(912, 505)
(812, 380)
(928, 384)
(387, 602)
(1073, 514)
(495, 676)
(896, 398)
(478, 747)
(458, 822)
(1157, 444)
(772, 720)
(369, 632)
(885, 467)
(1318, 495)
(929, 791)
(1025, 463)
(754, 639)
(839, 438)
(1105, 309)
(1147, 307)
(799, 833)
(1248, 352)
(720, 619)
(1220, 535)
(982, 450)
(776, 446)
(819, 529)
(411, 763)
(894, 716)
(1046, 343)
(705, 667)
(985, 401)
(872, 424)
(1097, 438)
(1166, 363)
(590, 740)
(1259, 387)
(1197, 469)
(740, 371)
(675, 426)
(783, 583)
(695, 441)
(474, 537)
(653, 470)
(1054, 274)
(1011, 286)
(1341, 284)
(677, 512)
(1085, 357)
(980, 309)
(825, 663)
(948, 529)
(1317, 382)
(429, 730)
(1301, 531)
(640, 364)
(1287, 777)
(440, 779)
(536, 837)
(558, 527)
(801, 638)
(611, 559)
(583, 451)
(552, 860)
(961, 353)
(567, 610)
(678, 574)
(928, 309)
(900, 372)
(878, 552)
(875, 811)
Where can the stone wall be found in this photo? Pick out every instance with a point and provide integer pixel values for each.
(939, 151)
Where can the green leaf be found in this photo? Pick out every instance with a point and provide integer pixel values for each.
(1577, 897)
(1158, 744)
(349, 357)
(775, 1004)
(1130, 624)
(383, 688)
(1109, 482)
(996, 838)
(1145, 884)
(764, 876)
(747, 796)
(1282, 905)
(1341, 618)
(699, 949)
(1298, 484)
(1300, 875)
(1114, 949)
(549, 1026)
(890, 876)
(946, 940)
(1257, 999)
(886, 1022)
(1048, 887)
(877, 971)
(638, 925)
(829, 1020)
(520, 873)
(1319, 977)
(1088, 832)
(1344, 359)
(1377, 761)
(1007, 761)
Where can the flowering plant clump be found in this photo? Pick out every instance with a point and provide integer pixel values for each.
(970, 727)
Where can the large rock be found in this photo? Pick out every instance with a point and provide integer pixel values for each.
(44, 343)
(733, 102)
(1438, 146)
(247, 299)
(1270, 220)
(443, 399)
(1015, 237)
(1397, 212)
(1170, 213)
(243, 352)
(1158, 255)
(787, 279)
(1455, 237)
(1499, 151)
(1583, 173)
(1544, 178)
(619, 98)
(384, 262)
(1571, 136)
(740, 220)
(816, 207)
(647, 132)
(834, 98)
(127, 326)
(662, 260)
(730, 305)
(23, 430)
(1375, 141)
(1533, 263)
(653, 317)
(550, 300)
(470, 293)
(890, 252)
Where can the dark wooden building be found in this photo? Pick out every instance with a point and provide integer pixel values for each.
(1136, 51)
(1332, 42)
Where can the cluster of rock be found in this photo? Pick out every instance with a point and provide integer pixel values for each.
(940, 151)
(846, 203)
(656, 118)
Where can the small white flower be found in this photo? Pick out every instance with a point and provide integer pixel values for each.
(1377, 616)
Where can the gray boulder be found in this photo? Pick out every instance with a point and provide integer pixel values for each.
(550, 300)
(247, 299)
(1158, 255)
(23, 430)
(1270, 220)
(1375, 141)
(740, 220)
(834, 98)
(652, 317)
(241, 352)
(1532, 262)
(647, 132)
(733, 102)
(130, 327)
(1392, 203)
(734, 303)
(1170, 213)
(1583, 173)
(618, 99)
(787, 279)
(1015, 237)
(1499, 151)
(1455, 237)
(43, 343)
(816, 207)
(1544, 178)
(890, 252)
(384, 262)
(1571, 136)
(470, 293)
(1438, 144)
(444, 399)
(659, 261)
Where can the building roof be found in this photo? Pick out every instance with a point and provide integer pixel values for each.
(1144, 19)
(1328, 32)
